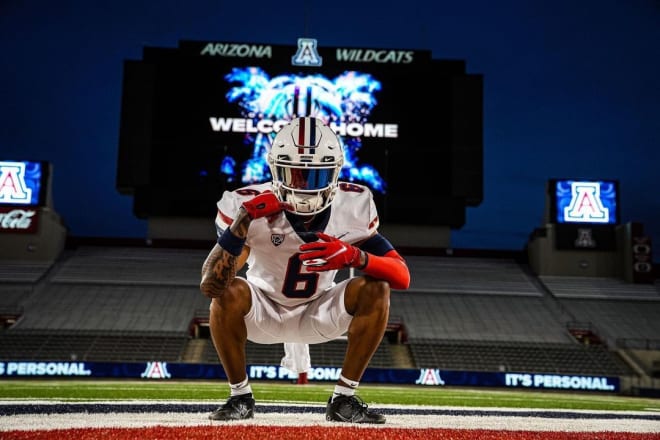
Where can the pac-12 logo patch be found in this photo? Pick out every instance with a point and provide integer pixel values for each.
(277, 239)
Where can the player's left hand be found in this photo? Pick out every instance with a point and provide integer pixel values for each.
(329, 253)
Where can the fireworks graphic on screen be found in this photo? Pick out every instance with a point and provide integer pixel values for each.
(348, 98)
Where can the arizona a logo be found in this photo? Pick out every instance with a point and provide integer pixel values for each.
(586, 205)
(584, 239)
(12, 183)
(307, 55)
(429, 376)
(156, 370)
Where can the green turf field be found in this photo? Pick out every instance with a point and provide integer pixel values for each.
(82, 390)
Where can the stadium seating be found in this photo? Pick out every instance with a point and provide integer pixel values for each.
(518, 357)
(142, 303)
(329, 354)
(92, 346)
(24, 272)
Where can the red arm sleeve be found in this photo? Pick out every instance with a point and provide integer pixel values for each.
(390, 267)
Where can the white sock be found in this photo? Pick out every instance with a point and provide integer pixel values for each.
(238, 389)
(351, 383)
(341, 390)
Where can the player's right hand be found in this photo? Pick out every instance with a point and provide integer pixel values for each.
(265, 204)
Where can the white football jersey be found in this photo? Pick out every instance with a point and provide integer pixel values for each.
(273, 264)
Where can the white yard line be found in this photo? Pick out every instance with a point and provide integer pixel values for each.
(514, 419)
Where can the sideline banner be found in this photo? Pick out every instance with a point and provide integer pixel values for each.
(419, 376)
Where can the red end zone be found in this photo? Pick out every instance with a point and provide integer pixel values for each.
(312, 433)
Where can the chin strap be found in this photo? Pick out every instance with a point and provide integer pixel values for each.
(317, 207)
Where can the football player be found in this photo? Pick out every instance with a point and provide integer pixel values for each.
(294, 233)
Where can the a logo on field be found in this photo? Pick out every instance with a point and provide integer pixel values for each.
(277, 239)
(156, 370)
(429, 376)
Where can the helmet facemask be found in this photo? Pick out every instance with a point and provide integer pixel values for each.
(309, 189)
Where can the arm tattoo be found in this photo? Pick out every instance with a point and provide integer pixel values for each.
(220, 266)
(241, 223)
(218, 271)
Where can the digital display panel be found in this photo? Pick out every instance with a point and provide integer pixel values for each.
(580, 201)
(213, 109)
(23, 182)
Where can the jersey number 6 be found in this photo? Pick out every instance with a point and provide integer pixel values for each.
(298, 284)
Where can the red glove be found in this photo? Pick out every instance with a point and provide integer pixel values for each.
(265, 204)
(329, 254)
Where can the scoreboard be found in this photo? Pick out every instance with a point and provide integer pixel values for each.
(198, 119)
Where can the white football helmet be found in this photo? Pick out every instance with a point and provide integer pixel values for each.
(305, 159)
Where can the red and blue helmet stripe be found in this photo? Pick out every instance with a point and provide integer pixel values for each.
(306, 134)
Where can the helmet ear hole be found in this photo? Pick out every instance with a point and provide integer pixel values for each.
(305, 162)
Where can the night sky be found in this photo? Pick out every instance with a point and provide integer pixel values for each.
(570, 90)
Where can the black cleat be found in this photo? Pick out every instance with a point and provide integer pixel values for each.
(351, 409)
(236, 408)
